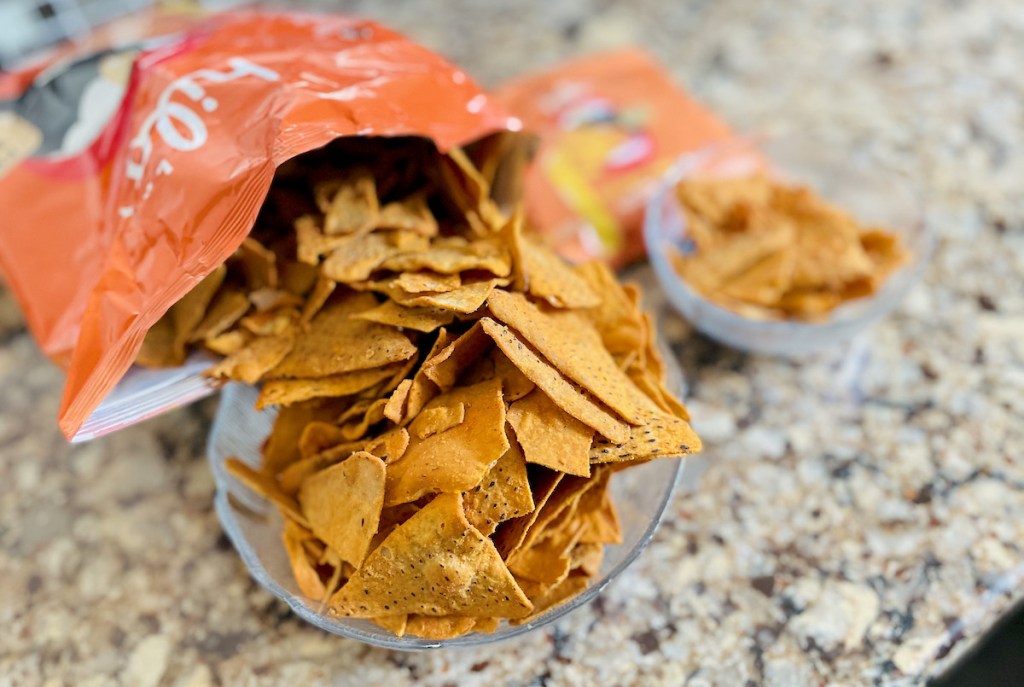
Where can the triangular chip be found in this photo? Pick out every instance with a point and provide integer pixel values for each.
(660, 435)
(573, 346)
(311, 243)
(550, 436)
(266, 487)
(158, 346)
(549, 278)
(548, 561)
(555, 596)
(229, 343)
(616, 318)
(449, 256)
(444, 366)
(510, 536)
(390, 446)
(282, 447)
(392, 623)
(287, 391)
(411, 214)
(464, 299)
(354, 206)
(259, 264)
(502, 494)
(188, 313)
(435, 563)
(439, 627)
(252, 363)
(437, 419)
(457, 459)
(421, 319)
(228, 307)
(336, 342)
(426, 282)
(342, 504)
(552, 383)
(357, 259)
(303, 568)
(587, 558)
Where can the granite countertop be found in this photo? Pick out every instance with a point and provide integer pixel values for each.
(860, 516)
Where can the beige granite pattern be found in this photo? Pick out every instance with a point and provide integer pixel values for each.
(861, 517)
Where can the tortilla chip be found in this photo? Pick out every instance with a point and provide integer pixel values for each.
(322, 290)
(551, 382)
(457, 459)
(616, 318)
(510, 536)
(389, 446)
(271, 323)
(228, 307)
(259, 264)
(282, 447)
(421, 319)
(298, 277)
(252, 363)
(486, 625)
(445, 366)
(550, 436)
(229, 342)
(439, 627)
(573, 346)
(343, 504)
(465, 299)
(311, 243)
(548, 560)
(267, 299)
(451, 255)
(266, 487)
(293, 536)
(287, 391)
(503, 493)
(410, 214)
(336, 342)
(188, 313)
(426, 282)
(392, 623)
(437, 555)
(660, 435)
(354, 206)
(555, 596)
(549, 278)
(292, 477)
(409, 399)
(357, 428)
(587, 558)
(317, 436)
(437, 419)
(394, 409)
(357, 258)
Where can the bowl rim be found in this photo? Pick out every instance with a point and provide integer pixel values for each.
(854, 314)
(228, 489)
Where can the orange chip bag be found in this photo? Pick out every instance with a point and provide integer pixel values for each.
(140, 208)
(609, 125)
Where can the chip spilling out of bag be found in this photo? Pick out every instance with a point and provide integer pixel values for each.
(453, 397)
(768, 250)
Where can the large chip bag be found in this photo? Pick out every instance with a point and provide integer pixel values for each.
(119, 200)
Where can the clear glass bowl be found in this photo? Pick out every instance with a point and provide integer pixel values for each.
(641, 494)
(870, 194)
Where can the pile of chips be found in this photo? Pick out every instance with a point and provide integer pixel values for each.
(454, 398)
(771, 251)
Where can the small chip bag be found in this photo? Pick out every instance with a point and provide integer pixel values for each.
(131, 174)
(609, 126)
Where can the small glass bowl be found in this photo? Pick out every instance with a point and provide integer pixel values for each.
(870, 194)
(642, 494)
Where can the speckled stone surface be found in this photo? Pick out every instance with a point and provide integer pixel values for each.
(861, 515)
